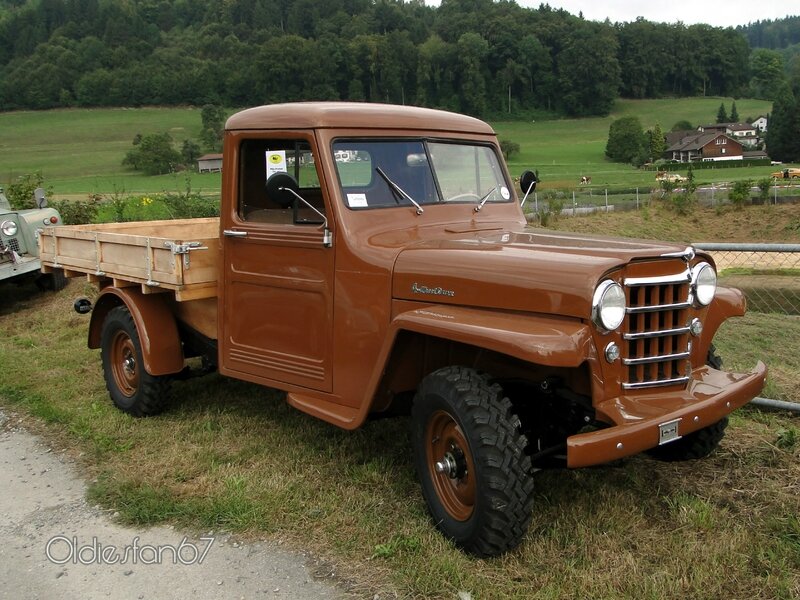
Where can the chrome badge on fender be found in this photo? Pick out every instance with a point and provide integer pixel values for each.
(437, 291)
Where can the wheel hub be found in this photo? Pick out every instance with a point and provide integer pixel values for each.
(129, 365)
(453, 463)
(450, 465)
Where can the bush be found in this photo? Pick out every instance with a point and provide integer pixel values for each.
(151, 207)
(764, 185)
(740, 192)
(555, 204)
(508, 148)
(626, 140)
(189, 204)
(153, 154)
(78, 212)
(20, 193)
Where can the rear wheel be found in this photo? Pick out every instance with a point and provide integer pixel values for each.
(470, 458)
(700, 443)
(132, 389)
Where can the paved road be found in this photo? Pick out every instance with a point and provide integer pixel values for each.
(43, 507)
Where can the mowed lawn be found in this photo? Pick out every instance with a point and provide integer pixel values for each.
(80, 151)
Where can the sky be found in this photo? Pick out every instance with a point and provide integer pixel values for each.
(720, 13)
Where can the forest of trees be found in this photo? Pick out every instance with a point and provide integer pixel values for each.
(475, 56)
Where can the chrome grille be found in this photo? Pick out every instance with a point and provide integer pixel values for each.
(11, 243)
(656, 332)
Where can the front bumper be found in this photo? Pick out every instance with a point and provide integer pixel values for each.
(709, 397)
(26, 264)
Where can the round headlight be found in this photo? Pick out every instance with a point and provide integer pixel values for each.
(704, 282)
(9, 228)
(608, 305)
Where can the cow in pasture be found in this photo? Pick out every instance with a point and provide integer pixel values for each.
(586, 180)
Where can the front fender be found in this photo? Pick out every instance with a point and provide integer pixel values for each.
(727, 303)
(158, 333)
(549, 341)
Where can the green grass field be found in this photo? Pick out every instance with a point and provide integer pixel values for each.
(79, 151)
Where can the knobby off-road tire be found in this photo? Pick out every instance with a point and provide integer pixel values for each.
(702, 442)
(132, 389)
(481, 495)
(52, 282)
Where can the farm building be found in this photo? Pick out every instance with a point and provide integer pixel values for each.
(209, 163)
(746, 133)
(760, 123)
(704, 146)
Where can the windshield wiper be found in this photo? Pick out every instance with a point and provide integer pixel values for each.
(399, 190)
(484, 198)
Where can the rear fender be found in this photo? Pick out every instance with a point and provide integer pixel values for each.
(158, 333)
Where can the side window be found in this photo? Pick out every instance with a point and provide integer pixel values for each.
(261, 158)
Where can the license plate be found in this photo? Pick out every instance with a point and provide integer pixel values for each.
(668, 432)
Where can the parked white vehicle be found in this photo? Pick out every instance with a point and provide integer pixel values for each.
(19, 250)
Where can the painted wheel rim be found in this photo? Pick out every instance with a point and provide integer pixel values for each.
(450, 465)
(123, 364)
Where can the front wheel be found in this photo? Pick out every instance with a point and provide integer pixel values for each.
(132, 389)
(470, 458)
(52, 282)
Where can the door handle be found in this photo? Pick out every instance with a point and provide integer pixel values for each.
(233, 233)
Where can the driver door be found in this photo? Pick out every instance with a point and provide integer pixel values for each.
(276, 306)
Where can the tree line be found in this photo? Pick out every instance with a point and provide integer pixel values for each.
(480, 57)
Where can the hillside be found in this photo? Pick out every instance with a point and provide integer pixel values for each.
(79, 151)
(564, 150)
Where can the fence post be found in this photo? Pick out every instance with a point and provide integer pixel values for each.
(712, 195)
(637, 198)
(536, 202)
(574, 204)
(606, 199)
(775, 187)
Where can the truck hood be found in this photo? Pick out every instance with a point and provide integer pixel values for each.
(529, 270)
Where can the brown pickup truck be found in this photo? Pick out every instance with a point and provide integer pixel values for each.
(372, 258)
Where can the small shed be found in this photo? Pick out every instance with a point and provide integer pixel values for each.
(209, 163)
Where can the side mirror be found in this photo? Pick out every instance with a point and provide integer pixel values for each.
(282, 188)
(527, 182)
(41, 200)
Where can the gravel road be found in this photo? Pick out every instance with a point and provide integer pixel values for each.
(43, 511)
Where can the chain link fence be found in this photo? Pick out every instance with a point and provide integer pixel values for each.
(587, 199)
(768, 274)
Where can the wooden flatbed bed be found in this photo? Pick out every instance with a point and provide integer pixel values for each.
(160, 256)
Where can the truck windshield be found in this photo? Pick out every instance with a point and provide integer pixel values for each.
(428, 171)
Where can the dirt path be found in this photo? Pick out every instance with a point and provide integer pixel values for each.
(43, 511)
